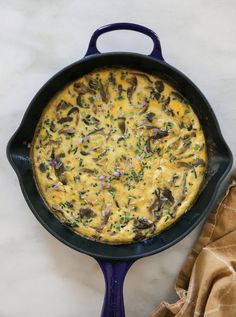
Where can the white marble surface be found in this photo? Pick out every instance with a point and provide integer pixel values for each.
(39, 276)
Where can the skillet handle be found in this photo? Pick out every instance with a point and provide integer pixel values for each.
(156, 52)
(114, 275)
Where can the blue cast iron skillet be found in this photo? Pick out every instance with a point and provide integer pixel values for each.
(115, 260)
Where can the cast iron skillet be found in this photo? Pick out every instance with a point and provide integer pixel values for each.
(115, 260)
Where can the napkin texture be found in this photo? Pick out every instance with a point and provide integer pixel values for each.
(206, 284)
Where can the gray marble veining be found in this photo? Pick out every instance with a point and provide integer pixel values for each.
(40, 276)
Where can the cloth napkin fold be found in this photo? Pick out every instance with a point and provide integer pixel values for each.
(206, 284)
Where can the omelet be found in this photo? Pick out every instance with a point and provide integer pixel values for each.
(119, 155)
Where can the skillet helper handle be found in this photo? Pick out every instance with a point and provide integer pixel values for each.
(114, 275)
(156, 52)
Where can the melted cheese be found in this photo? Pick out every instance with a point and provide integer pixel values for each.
(119, 155)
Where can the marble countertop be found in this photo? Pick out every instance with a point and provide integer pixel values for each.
(39, 275)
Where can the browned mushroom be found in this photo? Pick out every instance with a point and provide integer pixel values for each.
(58, 167)
(86, 213)
(148, 145)
(103, 92)
(138, 235)
(43, 167)
(146, 77)
(67, 130)
(168, 194)
(143, 223)
(159, 134)
(73, 110)
(95, 131)
(150, 116)
(165, 103)
(64, 120)
(81, 88)
(178, 96)
(62, 105)
(157, 203)
(159, 85)
(133, 85)
(121, 124)
(79, 100)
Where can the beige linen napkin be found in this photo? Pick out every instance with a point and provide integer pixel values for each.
(206, 284)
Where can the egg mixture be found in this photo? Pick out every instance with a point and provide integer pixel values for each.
(119, 155)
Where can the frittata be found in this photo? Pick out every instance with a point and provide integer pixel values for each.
(119, 155)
